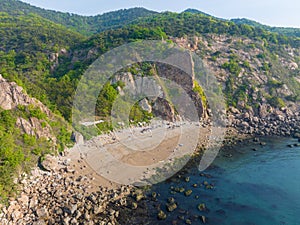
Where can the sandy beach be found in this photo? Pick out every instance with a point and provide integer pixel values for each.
(131, 156)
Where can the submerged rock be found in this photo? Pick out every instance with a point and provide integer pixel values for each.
(171, 200)
(134, 205)
(171, 207)
(161, 215)
(188, 221)
(188, 192)
(203, 219)
(154, 194)
(181, 190)
(139, 196)
(202, 207)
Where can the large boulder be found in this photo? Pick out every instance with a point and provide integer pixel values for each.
(50, 163)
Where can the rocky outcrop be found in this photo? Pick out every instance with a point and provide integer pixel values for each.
(145, 105)
(12, 96)
(164, 110)
(54, 58)
(153, 87)
(77, 138)
(35, 127)
(259, 87)
(186, 43)
(184, 79)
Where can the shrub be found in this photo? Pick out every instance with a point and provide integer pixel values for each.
(276, 102)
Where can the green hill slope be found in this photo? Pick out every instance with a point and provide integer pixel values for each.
(84, 24)
(29, 47)
(288, 31)
(281, 30)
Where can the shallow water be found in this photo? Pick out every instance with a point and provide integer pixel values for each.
(251, 187)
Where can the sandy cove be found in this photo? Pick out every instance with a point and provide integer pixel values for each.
(78, 188)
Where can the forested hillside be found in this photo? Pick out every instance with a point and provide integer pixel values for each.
(28, 131)
(61, 56)
(86, 25)
(288, 31)
(198, 24)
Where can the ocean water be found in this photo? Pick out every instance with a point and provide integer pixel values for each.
(250, 187)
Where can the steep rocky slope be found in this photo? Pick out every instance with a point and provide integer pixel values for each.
(12, 97)
(260, 81)
(28, 130)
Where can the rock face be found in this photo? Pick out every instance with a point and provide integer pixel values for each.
(258, 94)
(12, 96)
(153, 87)
(77, 138)
(34, 127)
(163, 109)
(145, 105)
(185, 79)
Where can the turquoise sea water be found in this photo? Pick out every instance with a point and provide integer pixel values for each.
(251, 187)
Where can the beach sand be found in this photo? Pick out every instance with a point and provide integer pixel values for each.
(132, 156)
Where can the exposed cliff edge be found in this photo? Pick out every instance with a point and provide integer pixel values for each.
(13, 97)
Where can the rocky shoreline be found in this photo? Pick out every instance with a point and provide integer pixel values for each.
(61, 196)
(282, 122)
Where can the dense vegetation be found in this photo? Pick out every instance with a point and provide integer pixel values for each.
(160, 26)
(19, 151)
(84, 24)
(68, 73)
(187, 23)
(27, 43)
(288, 31)
(94, 24)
